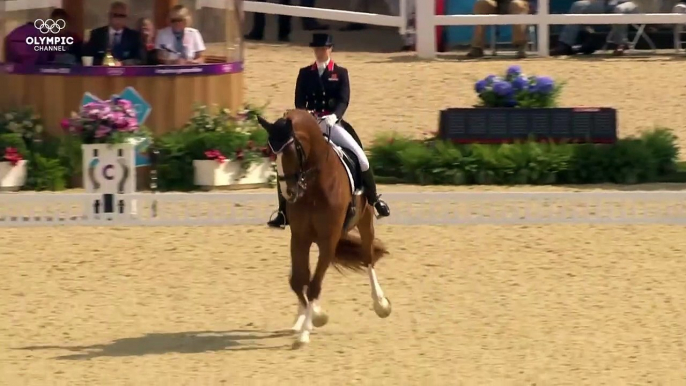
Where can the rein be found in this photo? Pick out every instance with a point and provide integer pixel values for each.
(302, 176)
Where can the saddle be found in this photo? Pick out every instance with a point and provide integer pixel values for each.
(352, 167)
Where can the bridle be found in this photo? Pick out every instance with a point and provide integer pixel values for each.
(302, 176)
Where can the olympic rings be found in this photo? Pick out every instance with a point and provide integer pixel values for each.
(50, 26)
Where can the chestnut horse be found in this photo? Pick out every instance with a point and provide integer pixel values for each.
(316, 185)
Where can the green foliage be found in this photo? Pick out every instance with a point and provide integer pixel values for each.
(46, 174)
(631, 160)
(237, 137)
(15, 141)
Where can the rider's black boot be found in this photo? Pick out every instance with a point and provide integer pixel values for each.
(280, 220)
(369, 183)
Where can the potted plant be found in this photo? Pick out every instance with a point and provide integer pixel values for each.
(228, 149)
(106, 128)
(12, 170)
(252, 166)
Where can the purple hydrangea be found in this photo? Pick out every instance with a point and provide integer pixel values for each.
(513, 71)
(520, 83)
(544, 85)
(480, 86)
(502, 88)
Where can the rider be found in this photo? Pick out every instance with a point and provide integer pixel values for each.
(324, 88)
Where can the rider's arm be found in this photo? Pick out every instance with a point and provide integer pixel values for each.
(300, 97)
(345, 95)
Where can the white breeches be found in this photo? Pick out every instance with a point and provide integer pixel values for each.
(341, 138)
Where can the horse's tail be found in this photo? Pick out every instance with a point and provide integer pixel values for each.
(349, 252)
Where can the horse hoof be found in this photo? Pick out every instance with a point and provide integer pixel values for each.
(320, 319)
(383, 308)
(301, 342)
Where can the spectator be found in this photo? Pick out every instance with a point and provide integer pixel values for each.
(16, 49)
(123, 42)
(148, 54)
(490, 7)
(72, 52)
(618, 35)
(178, 43)
(259, 20)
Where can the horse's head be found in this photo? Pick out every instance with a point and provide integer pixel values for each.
(292, 157)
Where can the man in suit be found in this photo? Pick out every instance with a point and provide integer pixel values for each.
(259, 20)
(123, 42)
(324, 88)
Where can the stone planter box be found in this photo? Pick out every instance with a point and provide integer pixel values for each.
(12, 178)
(210, 174)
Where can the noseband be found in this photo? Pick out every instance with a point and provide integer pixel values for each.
(302, 176)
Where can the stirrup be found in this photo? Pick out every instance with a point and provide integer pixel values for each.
(272, 217)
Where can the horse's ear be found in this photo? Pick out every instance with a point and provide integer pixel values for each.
(264, 123)
(289, 126)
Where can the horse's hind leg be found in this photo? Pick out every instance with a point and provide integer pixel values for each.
(382, 306)
(300, 276)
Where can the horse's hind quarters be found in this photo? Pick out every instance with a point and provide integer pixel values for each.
(382, 307)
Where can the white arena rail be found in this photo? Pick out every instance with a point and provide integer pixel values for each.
(330, 14)
(426, 21)
(463, 208)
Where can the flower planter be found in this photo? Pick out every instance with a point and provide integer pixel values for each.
(12, 177)
(507, 125)
(210, 174)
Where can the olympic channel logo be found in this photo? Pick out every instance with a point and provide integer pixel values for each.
(50, 43)
(50, 26)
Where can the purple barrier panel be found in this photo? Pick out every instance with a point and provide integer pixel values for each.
(198, 69)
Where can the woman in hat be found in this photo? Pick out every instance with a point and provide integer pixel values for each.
(324, 88)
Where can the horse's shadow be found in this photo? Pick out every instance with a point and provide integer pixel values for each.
(180, 342)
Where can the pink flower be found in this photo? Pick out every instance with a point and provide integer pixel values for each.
(215, 155)
(102, 131)
(65, 124)
(12, 156)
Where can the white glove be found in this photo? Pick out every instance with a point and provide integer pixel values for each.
(330, 120)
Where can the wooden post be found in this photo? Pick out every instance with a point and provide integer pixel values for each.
(162, 9)
(75, 11)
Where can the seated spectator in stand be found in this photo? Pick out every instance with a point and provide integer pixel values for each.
(178, 43)
(122, 42)
(491, 7)
(72, 52)
(148, 53)
(618, 36)
(16, 49)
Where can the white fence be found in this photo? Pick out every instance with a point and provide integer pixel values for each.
(197, 209)
(426, 20)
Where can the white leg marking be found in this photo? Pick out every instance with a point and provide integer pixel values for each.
(382, 306)
(279, 170)
(377, 292)
(304, 336)
(300, 319)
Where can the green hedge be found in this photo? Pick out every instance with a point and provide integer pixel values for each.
(647, 158)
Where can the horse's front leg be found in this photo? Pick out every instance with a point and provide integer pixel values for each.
(314, 315)
(300, 276)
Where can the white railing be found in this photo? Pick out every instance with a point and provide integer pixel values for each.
(399, 22)
(427, 21)
(462, 208)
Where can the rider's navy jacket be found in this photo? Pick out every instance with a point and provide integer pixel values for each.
(326, 94)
